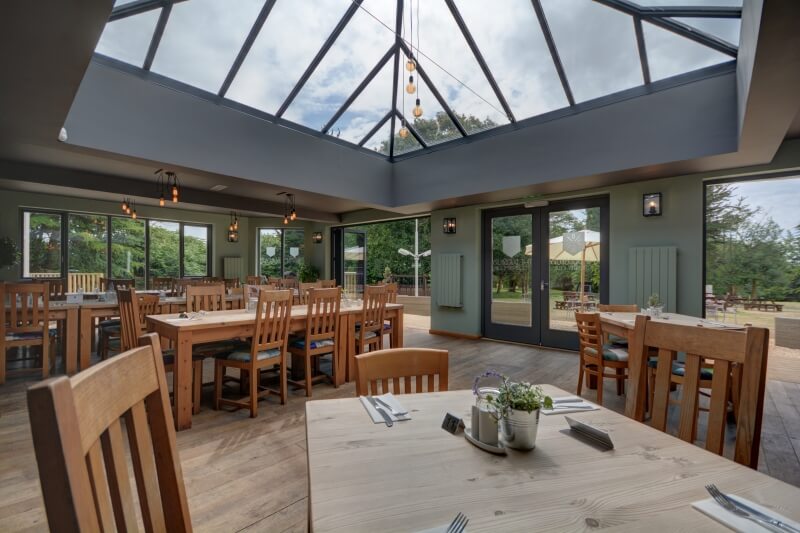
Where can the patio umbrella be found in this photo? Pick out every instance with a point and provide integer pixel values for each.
(583, 246)
(354, 253)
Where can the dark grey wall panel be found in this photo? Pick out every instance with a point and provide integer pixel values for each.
(117, 112)
(694, 120)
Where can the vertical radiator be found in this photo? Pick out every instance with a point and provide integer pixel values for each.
(653, 269)
(232, 267)
(447, 280)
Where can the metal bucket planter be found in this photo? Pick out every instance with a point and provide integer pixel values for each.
(519, 429)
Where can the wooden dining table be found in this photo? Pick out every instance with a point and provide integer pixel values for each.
(414, 476)
(623, 325)
(225, 325)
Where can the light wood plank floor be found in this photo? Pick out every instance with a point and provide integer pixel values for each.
(247, 474)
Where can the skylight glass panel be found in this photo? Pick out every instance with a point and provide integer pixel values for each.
(597, 46)
(670, 54)
(726, 29)
(434, 126)
(129, 38)
(367, 109)
(404, 145)
(380, 141)
(513, 46)
(453, 69)
(202, 38)
(292, 35)
(353, 55)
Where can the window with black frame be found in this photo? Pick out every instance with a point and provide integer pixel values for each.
(280, 251)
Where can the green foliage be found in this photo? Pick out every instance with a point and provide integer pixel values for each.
(307, 272)
(519, 396)
(437, 129)
(9, 253)
(270, 242)
(44, 243)
(383, 240)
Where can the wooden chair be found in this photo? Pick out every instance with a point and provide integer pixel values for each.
(255, 280)
(370, 326)
(728, 349)
(112, 284)
(166, 284)
(26, 325)
(321, 336)
(233, 283)
(389, 324)
(392, 366)
(180, 284)
(617, 308)
(268, 347)
(57, 288)
(109, 328)
(205, 297)
(327, 283)
(80, 446)
(595, 356)
(302, 291)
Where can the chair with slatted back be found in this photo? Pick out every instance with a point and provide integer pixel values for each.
(389, 324)
(327, 283)
(162, 284)
(596, 356)
(321, 337)
(370, 325)
(728, 349)
(133, 308)
(25, 324)
(113, 284)
(302, 291)
(180, 284)
(267, 347)
(109, 328)
(255, 280)
(398, 365)
(57, 288)
(205, 297)
(79, 440)
(232, 283)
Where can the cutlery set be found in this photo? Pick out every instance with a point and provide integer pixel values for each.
(745, 511)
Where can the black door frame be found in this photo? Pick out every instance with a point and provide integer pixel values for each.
(538, 333)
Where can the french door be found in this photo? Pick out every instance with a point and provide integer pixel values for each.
(540, 265)
(349, 260)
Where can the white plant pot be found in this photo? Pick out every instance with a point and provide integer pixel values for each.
(519, 429)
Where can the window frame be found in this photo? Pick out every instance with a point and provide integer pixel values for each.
(282, 232)
(64, 232)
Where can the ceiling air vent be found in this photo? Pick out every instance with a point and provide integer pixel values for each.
(219, 187)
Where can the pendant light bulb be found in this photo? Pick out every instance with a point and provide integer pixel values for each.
(125, 205)
(411, 65)
(417, 110)
(162, 201)
(133, 215)
(285, 219)
(403, 132)
(411, 88)
(293, 215)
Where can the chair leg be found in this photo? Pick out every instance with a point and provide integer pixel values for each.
(620, 382)
(219, 371)
(600, 374)
(283, 384)
(308, 376)
(581, 371)
(197, 385)
(255, 378)
(46, 358)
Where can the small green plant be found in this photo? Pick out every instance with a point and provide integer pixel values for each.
(387, 274)
(307, 273)
(518, 396)
(654, 300)
(9, 252)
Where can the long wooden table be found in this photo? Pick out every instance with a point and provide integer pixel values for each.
(622, 325)
(68, 314)
(413, 476)
(225, 325)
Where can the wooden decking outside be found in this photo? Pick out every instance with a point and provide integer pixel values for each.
(247, 474)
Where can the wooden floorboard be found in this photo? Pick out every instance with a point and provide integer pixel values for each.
(246, 474)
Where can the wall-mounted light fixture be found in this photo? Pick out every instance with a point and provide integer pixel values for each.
(316, 237)
(651, 204)
(449, 225)
(233, 228)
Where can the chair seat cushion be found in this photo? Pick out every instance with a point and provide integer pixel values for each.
(301, 343)
(29, 335)
(367, 335)
(387, 326)
(610, 352)
(213, 348)
(679, 369)
(113, 322)
(616, 339)
(244, 355)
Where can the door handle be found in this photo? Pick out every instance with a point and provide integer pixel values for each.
(544, 285)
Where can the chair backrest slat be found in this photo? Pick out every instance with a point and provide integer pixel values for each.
(206, 297)
(729, 351)
(374, 308)
(164, 283)
(57, 288)
(80, 450)
(273, 313)
(391, 292)
(302, 291)
(401, 364)
(28, 307)
(129, 317)
(323, 314)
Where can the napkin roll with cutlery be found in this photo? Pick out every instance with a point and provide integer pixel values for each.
(713, 510)
(389, 405)
(569, 404)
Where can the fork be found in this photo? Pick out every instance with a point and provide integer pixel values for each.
(770, 523)
(458, 524)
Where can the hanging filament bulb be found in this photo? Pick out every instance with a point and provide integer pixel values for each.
(133, 215)
(403, 133)
(236, 223)
(411, 65)
(417, 110)
(285, 219)
(162, 201)
(411, 88)
(125, 205)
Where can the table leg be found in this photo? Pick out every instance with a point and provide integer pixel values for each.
(398, 329)
(637, 376)
(341, 352)
(85, 351)
(182, 381)
(351, 347)
(71, 341)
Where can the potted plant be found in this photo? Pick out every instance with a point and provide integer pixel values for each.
(654, 305)
(9, 253)
(307, 272)
(516, 406)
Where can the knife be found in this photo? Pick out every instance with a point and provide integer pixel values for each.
(381, 411)
(391, 409)
(755, 512)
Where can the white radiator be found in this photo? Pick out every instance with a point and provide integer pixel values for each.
(232, 267)
(447, 280)
(653, 270)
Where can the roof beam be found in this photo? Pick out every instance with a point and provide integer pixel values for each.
(551, 45)
(436, 93)
(356, 4)
(157, 34)
(692, 11)
(398, 40)
(361, 86)
(479, 58)
(637, 26)
(248, 43)
(376, 127)
(412, 129)
(137, 7)
(674, 26)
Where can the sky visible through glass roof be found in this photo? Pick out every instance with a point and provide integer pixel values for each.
(329, 65)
